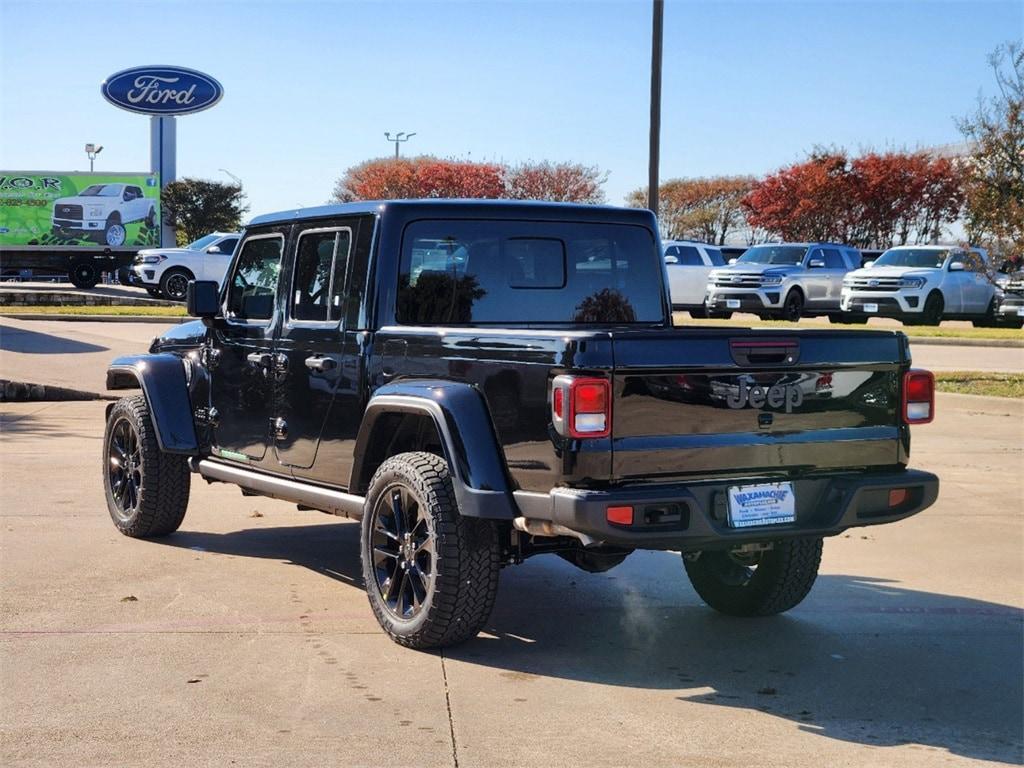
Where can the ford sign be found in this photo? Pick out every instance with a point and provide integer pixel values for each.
(161, 90)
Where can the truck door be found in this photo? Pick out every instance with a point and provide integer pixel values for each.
(835, 270)
(978, 286)
(815, 279)
(954, 284)
(310, 344)
(242, 366)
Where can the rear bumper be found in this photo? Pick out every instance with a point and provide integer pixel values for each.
(696, 515)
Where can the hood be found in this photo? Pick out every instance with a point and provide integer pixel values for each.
(752, 268)
(893, 271)
(77, 200)
(166, 252)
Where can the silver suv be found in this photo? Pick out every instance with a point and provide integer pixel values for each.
(782, 280)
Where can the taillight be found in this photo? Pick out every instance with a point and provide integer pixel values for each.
(581, 407)
(918, 397)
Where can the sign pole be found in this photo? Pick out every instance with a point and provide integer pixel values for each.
(163, 152)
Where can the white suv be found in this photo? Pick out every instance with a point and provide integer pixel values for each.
(688, 264)
(922, 284)
(104, 210)
(165, 272)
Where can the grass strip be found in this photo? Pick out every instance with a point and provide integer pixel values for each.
(981, 383)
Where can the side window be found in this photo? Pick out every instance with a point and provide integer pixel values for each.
(672, 251)
(136, 192)
(974, 262)
(717, 260)
(833, 260)
(127, 194)
(227, 245)
(254, 282)
(689, 256)
(958, 257)
(318, 282)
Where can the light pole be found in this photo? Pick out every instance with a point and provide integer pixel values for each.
(398, 139)
(91, 150)
(652, 168)
(237, 180)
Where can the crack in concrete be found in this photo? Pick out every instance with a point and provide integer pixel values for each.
(448, 704)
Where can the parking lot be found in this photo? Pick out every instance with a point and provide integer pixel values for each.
(246, 637)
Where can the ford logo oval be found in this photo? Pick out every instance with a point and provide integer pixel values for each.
(161, 90)
(872, 283)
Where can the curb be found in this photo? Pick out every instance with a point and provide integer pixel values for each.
(166, 320)
(952, 341)
(26, 392)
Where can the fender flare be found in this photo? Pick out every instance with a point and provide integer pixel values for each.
(162, 380)
(467, 435)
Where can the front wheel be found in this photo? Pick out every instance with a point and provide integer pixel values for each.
(114, 234)
(933, 309)
(793, 308)
(147, 490)
(431, 574)
(174, 284)
(762, 584)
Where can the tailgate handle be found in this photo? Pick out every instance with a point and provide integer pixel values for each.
(765, 351)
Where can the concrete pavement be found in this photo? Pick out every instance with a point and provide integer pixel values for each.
(246, 637)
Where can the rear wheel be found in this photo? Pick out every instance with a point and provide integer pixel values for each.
(147, 490)
(83, 274)
(758, 584)
(431, 574)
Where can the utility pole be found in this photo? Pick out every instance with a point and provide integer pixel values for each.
(398, 139)
(655, 147)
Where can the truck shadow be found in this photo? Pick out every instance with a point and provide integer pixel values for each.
(36, 343)
(862, 660)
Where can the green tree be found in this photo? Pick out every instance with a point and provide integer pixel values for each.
(995, 169)
(196, 207)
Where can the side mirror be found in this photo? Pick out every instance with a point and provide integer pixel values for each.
(816, 264)
(213, 249)
(956, 266)
(732, 261)
(869, 264)
(202, 299)
(671, 260)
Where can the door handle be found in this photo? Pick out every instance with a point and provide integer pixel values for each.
(321, 364)
(259, 359)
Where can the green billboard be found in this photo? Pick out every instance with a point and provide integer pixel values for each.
(80, 209)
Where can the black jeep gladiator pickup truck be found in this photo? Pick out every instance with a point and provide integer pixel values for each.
(480, 382)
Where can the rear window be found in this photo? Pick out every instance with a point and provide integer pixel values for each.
(508, 272)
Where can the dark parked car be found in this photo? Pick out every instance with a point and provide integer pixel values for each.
(482, 382)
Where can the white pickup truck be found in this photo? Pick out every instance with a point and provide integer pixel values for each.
(104, 210)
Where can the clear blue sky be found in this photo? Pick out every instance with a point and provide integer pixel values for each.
(310, 87)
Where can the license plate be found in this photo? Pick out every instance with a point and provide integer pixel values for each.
(766, 504)
(870, 307)
(1020, 311)
(732, 303)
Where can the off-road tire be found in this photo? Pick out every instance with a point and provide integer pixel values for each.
(83, 275)
(466, 557)
(783, 577)
(165, 478)
(170, 283)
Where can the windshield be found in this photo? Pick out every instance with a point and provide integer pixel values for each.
(927, 258)
(101, 190)
(773, 254)
(202, 242)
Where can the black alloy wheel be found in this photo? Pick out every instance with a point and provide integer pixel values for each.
(125, 469)
(793, 309)
(404, 557)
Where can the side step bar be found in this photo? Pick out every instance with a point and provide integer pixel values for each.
(304, 494)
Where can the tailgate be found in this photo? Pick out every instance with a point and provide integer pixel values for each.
(741, 402)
